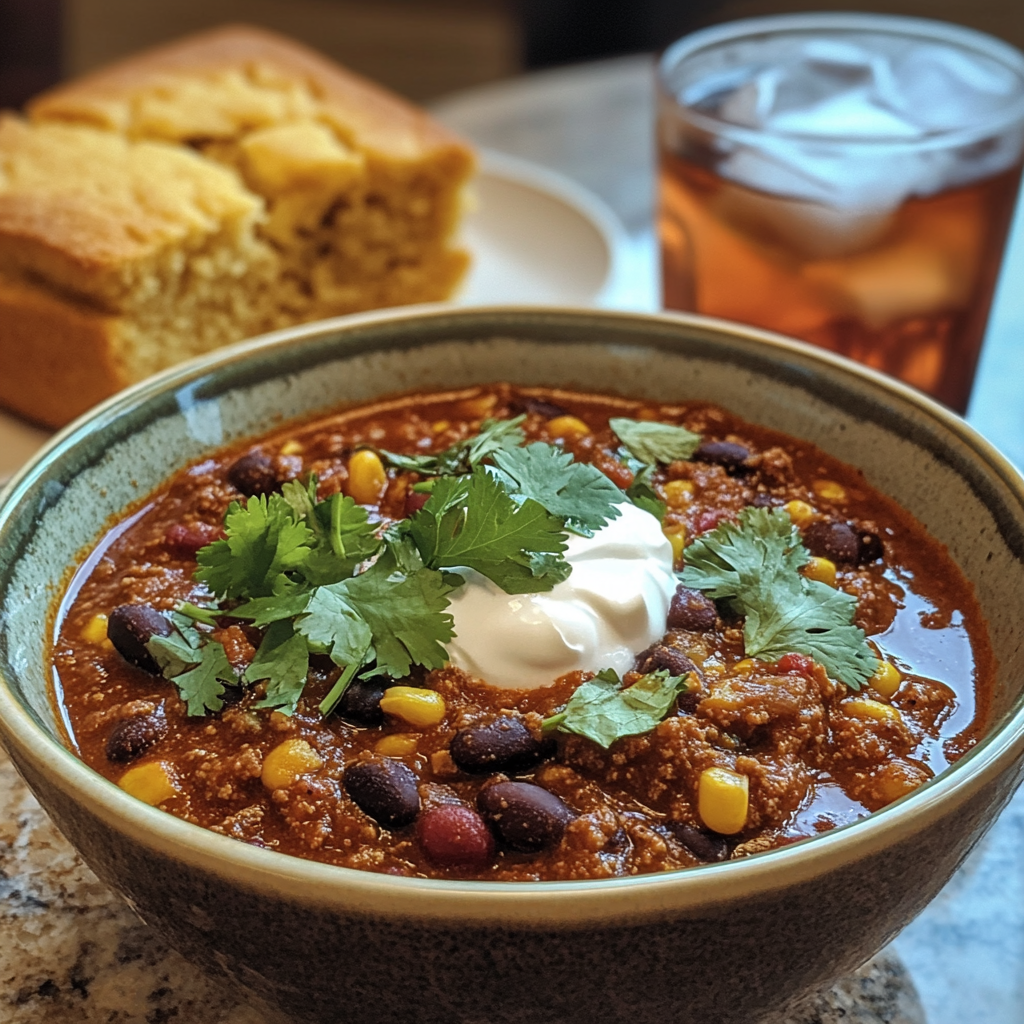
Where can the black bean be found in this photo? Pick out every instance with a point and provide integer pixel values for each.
(524, 817)
(132, 737)
(503, 744)
(692, 610)
(764, 500)
(728, 454)
(384, 789)
(360, 703)
(869, 548)
(254, 473)
(661, 656)
(686, 703)
(130, 627)
(833, 540)
(526, 403)
(706, 846)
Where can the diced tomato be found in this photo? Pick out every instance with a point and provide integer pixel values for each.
(414, 501)
(710, 518)
(796, 663)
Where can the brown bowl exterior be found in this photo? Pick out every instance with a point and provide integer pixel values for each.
(734, 942)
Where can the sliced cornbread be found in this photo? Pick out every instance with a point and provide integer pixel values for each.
(228, 184)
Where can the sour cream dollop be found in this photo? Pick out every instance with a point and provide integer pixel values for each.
(614, 604)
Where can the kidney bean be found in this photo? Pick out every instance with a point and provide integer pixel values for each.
(254, 473)
(709, 518)
(692, 610)
(727, 454)
(703, 845)
(525, 403)
(525, 817)
(453, 835)
(832, 540)
(384, 789)
(130, 627)
(869, 548)
(503, 744)
(187, 540)
(360, 703)
(132, 737)
(661, 656)
(796, 663)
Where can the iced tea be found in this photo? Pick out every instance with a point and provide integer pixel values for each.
(843, 185)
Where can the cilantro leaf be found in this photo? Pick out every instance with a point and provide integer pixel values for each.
(604, 711)
(196, 664)
(756, 563)
(283, 660)
(265, 610)
(405, 613)
(264, 545)
(575, 491)
(461, 457)
(642, 493)
(345, 538)
(655, 442)
(333, 624)
(473, 522)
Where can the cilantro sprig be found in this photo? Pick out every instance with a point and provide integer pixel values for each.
(195, 663)
(645, 444)
(755, 565)
(603, 710)
(463, 456)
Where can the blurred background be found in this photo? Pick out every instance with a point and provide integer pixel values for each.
(421, 48)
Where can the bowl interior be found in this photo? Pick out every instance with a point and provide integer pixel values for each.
(926, 459)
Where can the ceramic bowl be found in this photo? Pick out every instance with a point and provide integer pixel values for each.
(732, 943)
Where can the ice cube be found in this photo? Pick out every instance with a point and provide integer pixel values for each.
(942, 89)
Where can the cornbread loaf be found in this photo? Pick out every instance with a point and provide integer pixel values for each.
(222, 186)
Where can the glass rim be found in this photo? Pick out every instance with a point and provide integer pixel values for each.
(959, 36)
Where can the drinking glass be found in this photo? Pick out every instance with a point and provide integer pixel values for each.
(845, 179)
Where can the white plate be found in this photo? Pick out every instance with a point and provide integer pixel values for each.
(536, 238)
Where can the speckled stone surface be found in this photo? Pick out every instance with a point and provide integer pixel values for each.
(72, 953)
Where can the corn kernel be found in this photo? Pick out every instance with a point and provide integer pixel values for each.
(723, 798)
(287, 761)
(744, 667)
(567, 427)
(414, 705)
(398, 744)
(367, 479)
(886, 680)
(95, 631)
(152, 783)
(821, 569)
(676, 534)
(800, 512)
(440, 426)
(864, 707)
(678, 493)
(292, 447)
(829, 490)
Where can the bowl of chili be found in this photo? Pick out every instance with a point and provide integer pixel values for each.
(615, 904)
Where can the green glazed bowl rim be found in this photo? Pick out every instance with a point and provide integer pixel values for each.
(531, 904)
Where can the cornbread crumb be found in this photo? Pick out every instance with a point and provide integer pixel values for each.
(225, 185)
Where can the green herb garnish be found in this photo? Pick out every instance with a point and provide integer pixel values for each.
(472, 521)
(652, 443)
(461, 457)
(195, 663)
(603, 710)
(576, 491)
(754, 564)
